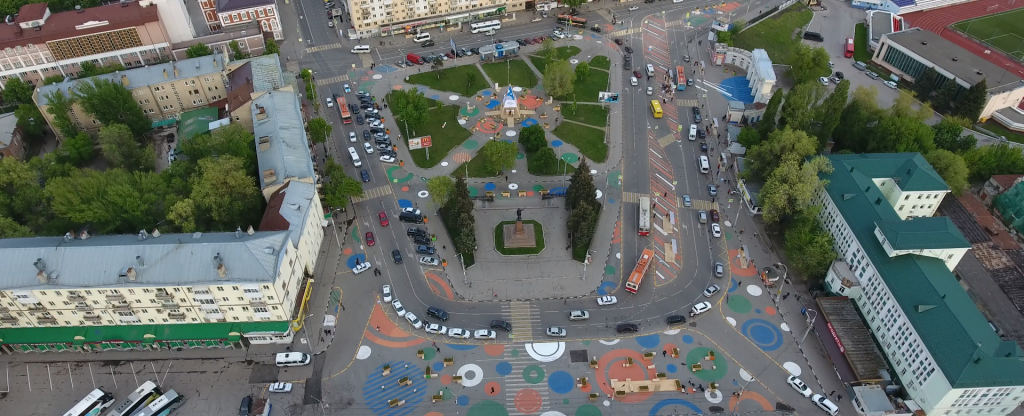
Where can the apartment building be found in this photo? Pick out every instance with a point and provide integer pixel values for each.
(35, 44)
(282, 148)
(895, 262)
(399, 17)
(224, 14)
(163, 91)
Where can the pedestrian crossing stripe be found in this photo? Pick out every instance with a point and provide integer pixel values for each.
(332, 80)
(675, 23)
(633, 197)
(686, 103)
(699, 204)
(373, 193)
(667, 140)
(323, 47)
(626, 32)
(521, 317)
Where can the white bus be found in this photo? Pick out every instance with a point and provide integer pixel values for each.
(163, 405)
(139, 398)
(92, 404)
(486, 26)
(645, 216)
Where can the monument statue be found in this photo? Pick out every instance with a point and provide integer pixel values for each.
(519, 214)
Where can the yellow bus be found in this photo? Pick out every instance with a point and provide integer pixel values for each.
(656, 109)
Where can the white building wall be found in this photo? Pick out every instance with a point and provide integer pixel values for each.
(177, 23)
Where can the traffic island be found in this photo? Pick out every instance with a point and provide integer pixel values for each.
(518, 238)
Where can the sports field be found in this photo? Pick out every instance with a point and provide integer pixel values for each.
(1004, 31)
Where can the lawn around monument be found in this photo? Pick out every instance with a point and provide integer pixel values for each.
(499, 239)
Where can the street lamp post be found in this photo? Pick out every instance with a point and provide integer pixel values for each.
(810, 323)
(785, 273)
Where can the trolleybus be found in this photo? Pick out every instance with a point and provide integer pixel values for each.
(645, 216)
(637, 277)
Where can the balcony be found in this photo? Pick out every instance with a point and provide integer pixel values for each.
(83, 307)
(92, 317)
(74, 297)
(122, 306)
(36, 307)
(4, 309)
(163, 295)
(169, 304)
(115, 296)
(8, 318)
(46, 319)
(176, 315)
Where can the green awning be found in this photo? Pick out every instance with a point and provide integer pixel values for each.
(162, 123)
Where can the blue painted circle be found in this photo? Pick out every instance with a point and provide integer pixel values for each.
(351, 262)
(649, 341)
(688, 339)
(757, 311)
(489, 186)
(486, 93)
(528, 122)
(734, 285)
(405, 203)
(556, 143)
(606, 287)
(762, 333)
(463, 400)
(671, 368)
(508, 141)
(435, 97)
(503, 368)
(376, 398)
(673, 402)
(438, 366)
(561, 382)
(460, 347)
(611, 201)
(491, 104)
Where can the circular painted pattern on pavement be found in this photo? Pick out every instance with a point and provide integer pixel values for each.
(487, 408)
(513, 186)
(570, 157)
(792, 368)
(674, 402)
(470, 144)
(608, 270)
(754, 290)
(453, 97)
(528, 401)
(492, 388)
(405, 203)
(545, 352)
(762, 333)
(538, 188)
(519, 156)
(462, 347)
(463, 400)
(394, 170)
(587, 410)
(528, 122)
(471, 374)
(465, 111)
(352, 261)
(698, 354)
(473, 191)
(648, 341)
(364, 352)
(503, 368)
(396, 87)
(688, 339)
(437, 367)
(533, 374)
(423, 194)
(739, 304)
(607, 287)
(556, 143)
(494, 350)
(489, 186)
(510, 133)
(377, 76)
(486, 93)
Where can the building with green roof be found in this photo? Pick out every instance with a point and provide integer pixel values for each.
(895, 262)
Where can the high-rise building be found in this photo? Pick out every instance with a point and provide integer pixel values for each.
(399, 17)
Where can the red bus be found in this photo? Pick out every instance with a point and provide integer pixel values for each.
(680, 78)
(635, 278)
(572, 20)
(849, 48)
(346, 116)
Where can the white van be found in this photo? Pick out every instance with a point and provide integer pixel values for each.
(650, 70)
(705, 165)
(292, 359)
(693, 132)
(361, 49)
(355, 157)
(421, 37)
(825, 404)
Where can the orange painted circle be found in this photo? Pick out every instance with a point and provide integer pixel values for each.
(446, 379)
(492, 388)
(587, 388)
(612, 363)
(770, 310)
(529, 193)
(434, 414)
(528, 401)
(494, 350)
(397, 87)
(405, 189)
(669, 347)
(347, 251)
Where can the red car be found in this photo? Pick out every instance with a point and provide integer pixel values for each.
(369, 239)
(383, 218)
(637, 74)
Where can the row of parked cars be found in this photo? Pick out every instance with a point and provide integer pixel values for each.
(819, 400)
(442, 315)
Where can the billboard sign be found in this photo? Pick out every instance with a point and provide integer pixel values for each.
(419, 143)
(608, 97)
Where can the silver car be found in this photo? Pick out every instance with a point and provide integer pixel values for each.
(484, 334)
(555, 331)
(458, 333)
(579, 315)
(711, 290)
(399, 310)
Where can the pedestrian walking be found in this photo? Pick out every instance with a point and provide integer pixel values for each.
(664, 353)
(378, 328)
(434, 343)
(506, 178)
(444, 247)
(492, 389)
(832, 393)
(839, 398)
(438, 349)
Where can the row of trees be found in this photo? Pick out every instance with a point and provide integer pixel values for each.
(411, 107)
(559, 77)
(584, 210)
(270, 47)
(456, 208)
(943, 94)
(543, 160)
(338, 187)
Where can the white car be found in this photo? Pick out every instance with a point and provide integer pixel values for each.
(436, 329)
(348, 88)
(280, 388)
(634, 8)
(352, 137)
(399, 310)
(890, 84)
(387, 293)
(361, 267)
(429, 261)
(458, 333)
(330, 102)
(411, 210)
(484, 334)
(716, 230)
(377, 124)
(633, 81)
(799, 386)
(368, 148)
(607, 300)
(650, 90)
(490, 32)
(555, 331)
(387, 159)
(371, 111)
(711, 290)
(823, 81)
(579, 315)
(700, 308)
(416, 322)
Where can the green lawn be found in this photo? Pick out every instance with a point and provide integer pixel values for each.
(1003, 31)
(452, 79)
(515, 72)
(535, 168)
(999, 130)
(586, 89)
(861, 49)
(561, 52)
(589, 140)
(776, 34)
(592, 114)
(443, 140)
(499, 239)
(539, 62)
(477, 166)
(601, 61)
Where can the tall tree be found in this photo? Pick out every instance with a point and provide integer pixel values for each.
(949, 135)
(183, 215)
(809, 247)
(470, 80)
(232, 139)
(440, 188)
(270, 47)
(197, 50)
(544, 161)
(120, 148)
(807, 62)
(559, 78)
(110, 102)
(582, 224)
(771, 113)
(11, 229)
(236, 50)
(783, 145)
(340, 188)
(1000, 159)
(78, 149)
(319, 130)
(574, 3)
(945, 97)
(532, 138)
(21, 196)
(225, 195)
(951, 167)
(581, 188)
(499, 155)
(30, 120)
(973, 101)
(902, 134)
(858, 120)
(798, 110)
(749, 137)
(924, 85)
(906, 106)
(582, 70)
(59, 106)
(17, 91)
(112, 202)
(790, 188)
(89, 69)
(547, 49)
(827, 114)
(459, 209)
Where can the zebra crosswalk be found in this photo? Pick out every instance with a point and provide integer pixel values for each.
(323, 47)
(373, 193)
(332, 80)
(633, 197)
(624, 32)
(687, 103)
(667, 140)
(522, 317)
(699, 204)
(532, 374)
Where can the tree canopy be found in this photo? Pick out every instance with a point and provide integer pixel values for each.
(197, 50)
(499, 155)
(782, 145)
(951, 167)
(790, 188)
(806, 62)
(339, 188)
(110, 102)
(809, 248)
(17, 91)
(559, 78)
(123, 151)
(319, 130)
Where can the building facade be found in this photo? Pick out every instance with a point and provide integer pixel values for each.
(12, 144)
(37, 44)
(225, 14)
(400, 17)
(895, 262)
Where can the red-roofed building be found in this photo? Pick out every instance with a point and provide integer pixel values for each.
(35, 44)
(222, 14)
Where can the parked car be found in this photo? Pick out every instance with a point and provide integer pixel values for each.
(386, 293)
(414, 231)
(245, 407)
(502, 325)
(280, 387)
(484, 334)
(458, 333)
(607, 300)
(399, 310)
(422, 240)
(890, 84)
(627, 328)
(436, 329)
(429, 261)
(387, 159)
(823, 81)
(628, 49)
(711, 290)
(716, 230)
(361, 267)
(428, 250)
(675, 319)
(799, 386)
(415, 321)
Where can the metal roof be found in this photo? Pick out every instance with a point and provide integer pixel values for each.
(231, 5)
(281, 144)
(8, 124)
(954, 59)
(170, 259)
(923, 233)
(288, 209)
(267, 74)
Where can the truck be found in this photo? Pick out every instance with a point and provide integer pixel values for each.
(414, 58)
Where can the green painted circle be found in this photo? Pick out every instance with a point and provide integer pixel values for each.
(565, 401)
(429, 354)
(469, 113)
(487, 408)
(533, 374)
(728, 235)
(473, 191)
(739, 304)
(515, 353)
(538, 188)
(570, 157)
(696, 356)
(609, 269)
(587, 410)
(448, 394)
(355, 234)
(391, 175)
(613, 179)
(470, 144)
(585, 342)
(520, 156)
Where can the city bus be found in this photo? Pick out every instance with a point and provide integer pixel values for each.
(485, 26)
(163, 405)
(572, 20)
(848, 52)
(637, 277)
(141, 397)
(93, 404)
(656, 109)
(346, 116)
(680, 78)
(645, 216)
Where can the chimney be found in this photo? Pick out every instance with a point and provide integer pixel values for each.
(165, 73)
(143, 235)
(69, 236)
(84, 235)
(238, 232)
(40, 264)
(139, 261)
(124, 80)
(132, 274)
(250, 231)
(156, 233)
(43, 278)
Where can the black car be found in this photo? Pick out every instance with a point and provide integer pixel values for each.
(422, 240)
(375, 130)
(476, 51)
(359, 119)
(618, 41)
(627, 65)
(629, 49)
(366, 135)
(675, 319)
(415, 231)
(627, 58)
(365, 175)
(521, 42)
(502, 325)
(366, 106)
(595, 28)
(839, 75)
(245, 408)
(424, 249)
(696, 114)
(704, 147)
(701, 134)
(437, 313)
(627, 328)
(815, 36)
(428, 43)
(397, 255)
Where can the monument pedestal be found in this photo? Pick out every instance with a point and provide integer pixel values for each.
(519, 235)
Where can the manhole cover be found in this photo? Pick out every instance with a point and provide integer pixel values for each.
(578, 356)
